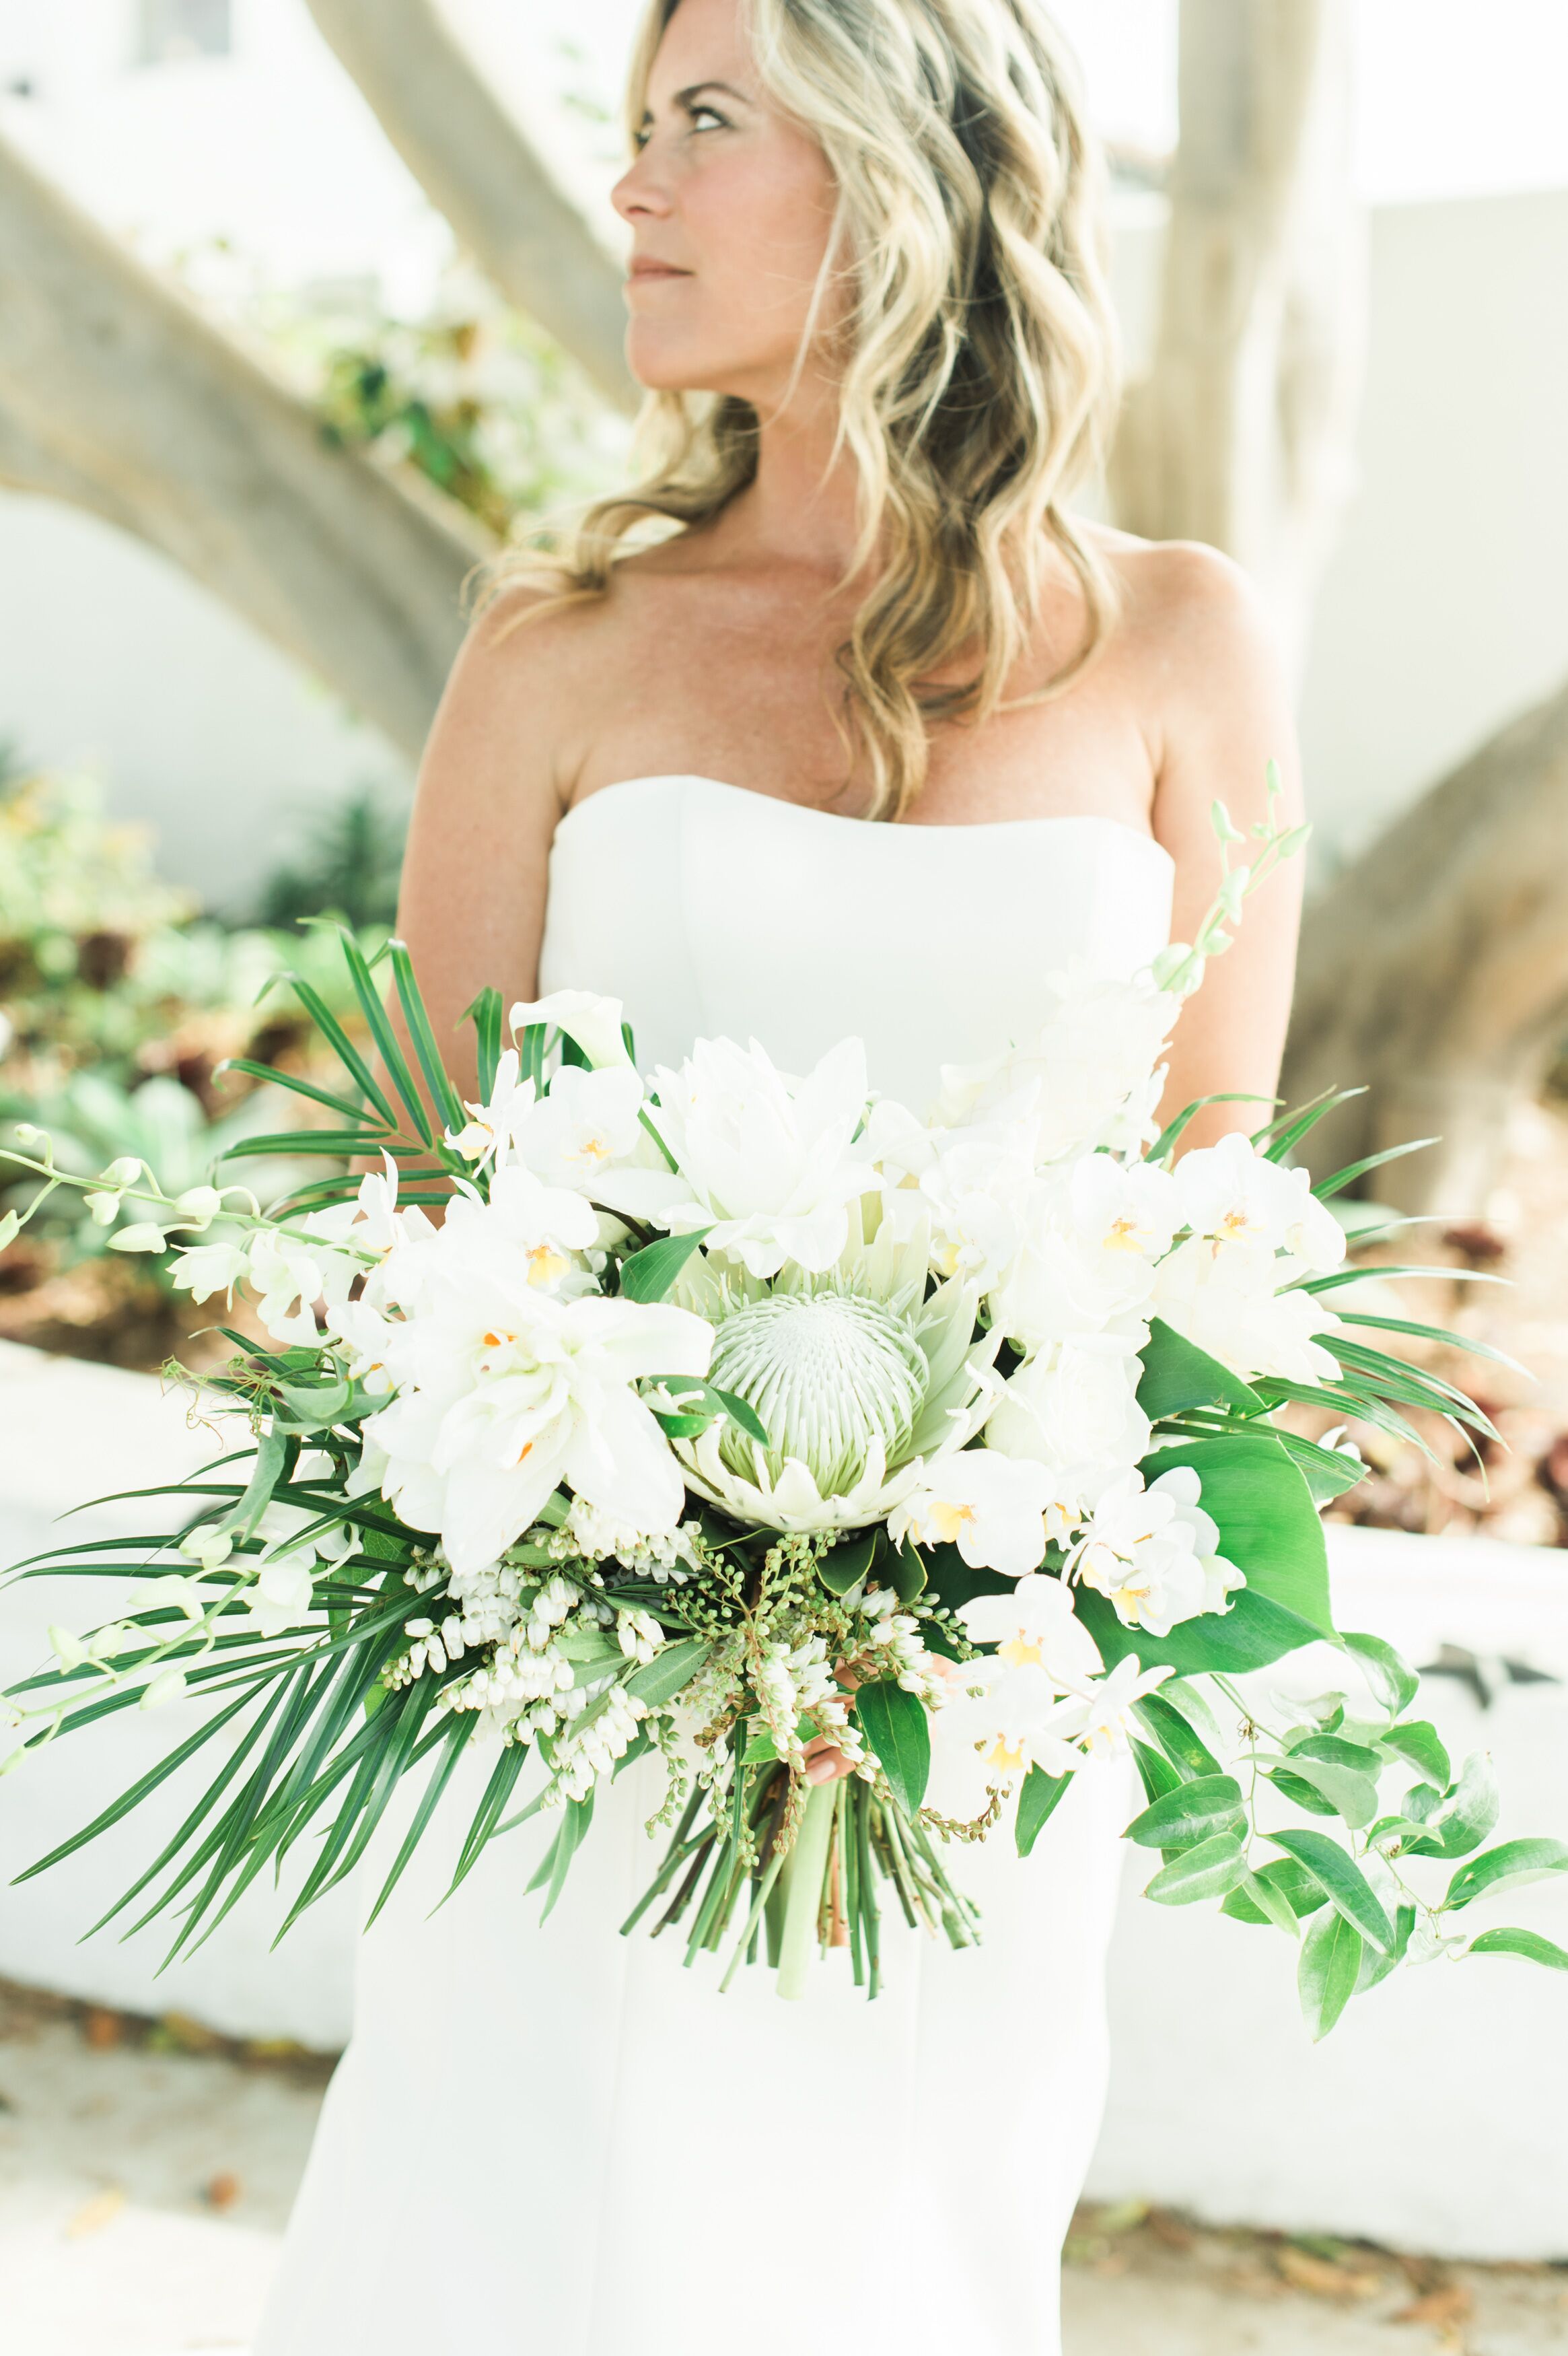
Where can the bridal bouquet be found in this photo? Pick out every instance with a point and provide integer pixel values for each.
(758, 1422)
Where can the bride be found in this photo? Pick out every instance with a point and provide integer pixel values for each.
(869, 736)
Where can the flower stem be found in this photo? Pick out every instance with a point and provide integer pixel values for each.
(806, 1867)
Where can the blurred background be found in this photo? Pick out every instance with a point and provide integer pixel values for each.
(308, 305)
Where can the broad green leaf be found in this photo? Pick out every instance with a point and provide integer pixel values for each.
(1530, 1944)
(1210, 1870)
(1342, 1878)
(1042, 1793)
(1390, 1674)
(1327, 1472)
(1250, 1635)
(1194, 1812)
(1417, 1740)
(659, 1680)
(1282, 1885)
(648, 1275)
(1155, 1771)
(845, 1565)
(1345, 1793)
(1179, 1742)
(1507, 1867)
(1458, 1821)
(1375, 1965)
(1330, 1968)
(1337, 1750)
(895, 1725)
(1177, 1375)
(1268, 1523)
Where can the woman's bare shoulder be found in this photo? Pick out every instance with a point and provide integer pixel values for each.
(1185, 606)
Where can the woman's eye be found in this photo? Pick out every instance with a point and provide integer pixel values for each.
(707, 118)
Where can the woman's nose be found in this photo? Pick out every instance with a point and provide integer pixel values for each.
(640, 191)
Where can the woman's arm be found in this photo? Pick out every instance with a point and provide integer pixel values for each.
(1224, 714)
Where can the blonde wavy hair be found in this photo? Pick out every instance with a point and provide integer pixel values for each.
(981, 374)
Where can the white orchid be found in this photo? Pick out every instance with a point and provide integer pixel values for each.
(1233, 1195)
(1241, 1303)
(991, 1507)
(1073, 1407)
(589, 1121)
(1099, 1722)
(1154, 1552)
(1036, 1627)
(493, 1123)
(767, 1163)
(1088, 1069)
(282, 1591)
(973, 1184)
(1095, 1231)
(591, 1022)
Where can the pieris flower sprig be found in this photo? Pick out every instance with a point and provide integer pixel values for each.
(769, 1440)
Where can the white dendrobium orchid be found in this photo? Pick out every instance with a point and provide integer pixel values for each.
(991, 1507)
(591, 1022)
(504, 1390)
(1090, 1067)
(1099, 1722)
(1074, 1409)
(768, 1164)
(1154, 1552)
(1240, 1302)
(284, 1593)
(1233, 1195)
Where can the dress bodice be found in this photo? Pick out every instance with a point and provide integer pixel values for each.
(709, 910)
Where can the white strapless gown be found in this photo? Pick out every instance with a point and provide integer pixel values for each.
(559, 2140)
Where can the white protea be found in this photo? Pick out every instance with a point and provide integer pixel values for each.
(859, 1381)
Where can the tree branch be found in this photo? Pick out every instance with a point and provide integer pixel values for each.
(477, 166)
(1436, 970)
(1241, 435)
(117, 395)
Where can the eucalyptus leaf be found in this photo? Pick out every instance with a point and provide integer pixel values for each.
(659, 1680)
(1276, 1891)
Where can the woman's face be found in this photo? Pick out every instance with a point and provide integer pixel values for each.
(731, 207)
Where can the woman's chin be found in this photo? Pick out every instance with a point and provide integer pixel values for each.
(663, 363)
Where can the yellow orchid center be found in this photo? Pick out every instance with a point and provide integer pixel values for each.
(544, 1265)
(1007, 1756)
(1020, 1654)
(1122, 1234)
(948, 1520)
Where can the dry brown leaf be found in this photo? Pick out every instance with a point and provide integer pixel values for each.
(222, 2190)
(1441, 2309)
(101, 2028)
(94, 2214)
(1323, 2277)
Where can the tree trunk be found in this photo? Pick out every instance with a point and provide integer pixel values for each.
(475, 163)
(1436, 971)
(117, 395)
(1242, 434)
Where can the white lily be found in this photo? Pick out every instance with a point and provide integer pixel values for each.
(767, 1163)
(591, 1022)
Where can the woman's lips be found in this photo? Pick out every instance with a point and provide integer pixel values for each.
(641, 271)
